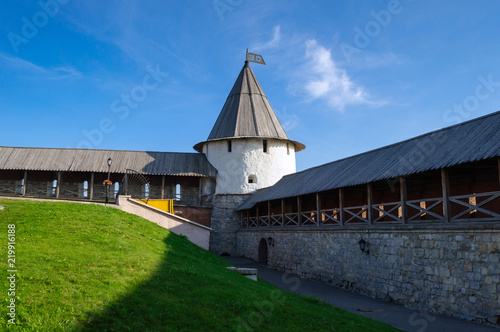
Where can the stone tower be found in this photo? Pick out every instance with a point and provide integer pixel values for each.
(250, 150)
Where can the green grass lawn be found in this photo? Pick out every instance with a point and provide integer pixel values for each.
(88, 267)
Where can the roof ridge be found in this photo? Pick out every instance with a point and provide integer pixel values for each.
(77, 149)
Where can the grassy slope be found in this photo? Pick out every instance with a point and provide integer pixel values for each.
(87, 267)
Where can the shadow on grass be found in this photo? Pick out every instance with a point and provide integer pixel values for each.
(189, 291)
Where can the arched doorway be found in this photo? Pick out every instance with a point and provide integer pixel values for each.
(263, 256)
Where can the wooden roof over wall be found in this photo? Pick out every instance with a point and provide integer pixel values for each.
(470, 141)
(81, 160)
(247, 113)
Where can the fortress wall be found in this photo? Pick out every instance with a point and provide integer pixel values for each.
(452, 270)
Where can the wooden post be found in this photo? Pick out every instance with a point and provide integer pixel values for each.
(58, 187)
(258, 217)
(163, 187)
(318, 209)
(283, 212)
(25, 182)
(248, 218)
(498, 162)
(369, 191)
(402, 192)
(269, 212)
(91, 185)
(299, 210)
(200, 184)
(445, 184)
(125, 190)
(341, 206)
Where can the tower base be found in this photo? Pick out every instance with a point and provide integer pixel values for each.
(225, 223)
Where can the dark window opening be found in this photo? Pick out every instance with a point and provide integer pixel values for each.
(264, 145)
(229, 146)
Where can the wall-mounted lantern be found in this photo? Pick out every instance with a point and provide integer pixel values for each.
(363, 246)
(270, 241)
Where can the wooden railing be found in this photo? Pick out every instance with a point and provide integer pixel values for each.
(291, 219)
(424, 209)
(474, 206)
(80, 193)
(309, 218)
(330, 217)
(384, 211)
(38, 192)
(482, 207)
(356, 214)
(276, 220)
(263, 221)
(9, 190)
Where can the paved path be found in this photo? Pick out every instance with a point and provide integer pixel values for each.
(395, 315)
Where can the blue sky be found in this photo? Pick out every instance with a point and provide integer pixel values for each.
(344, 77)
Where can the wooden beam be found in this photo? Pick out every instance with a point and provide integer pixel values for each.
(91, 186)
(125, 190)
(58, 187)
(498, 163)
(258, 216)
(318, 209)
(341, 205)
(283, 212)
(25, 182)
(369, 192)
(299, 210)
(200, 184)
(163, 187)
(269, 213)
(445, 184)
(402, 192)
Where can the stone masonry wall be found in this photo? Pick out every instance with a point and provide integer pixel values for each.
(450, 270)
(225, 223)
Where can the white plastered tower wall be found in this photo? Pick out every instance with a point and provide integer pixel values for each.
(247, 167)
(244, 163)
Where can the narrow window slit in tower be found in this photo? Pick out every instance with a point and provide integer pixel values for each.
(264, 145)
(229, 146)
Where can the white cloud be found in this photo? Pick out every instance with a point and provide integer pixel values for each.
(270, 44)
(288, 120)
(20, 64)
(23, 66)
(325, 80)
(61, 73)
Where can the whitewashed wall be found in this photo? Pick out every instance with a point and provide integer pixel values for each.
(247, 158)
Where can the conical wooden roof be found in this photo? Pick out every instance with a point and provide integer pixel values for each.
(247, 113)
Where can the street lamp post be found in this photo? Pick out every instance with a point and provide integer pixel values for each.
(110, 161)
